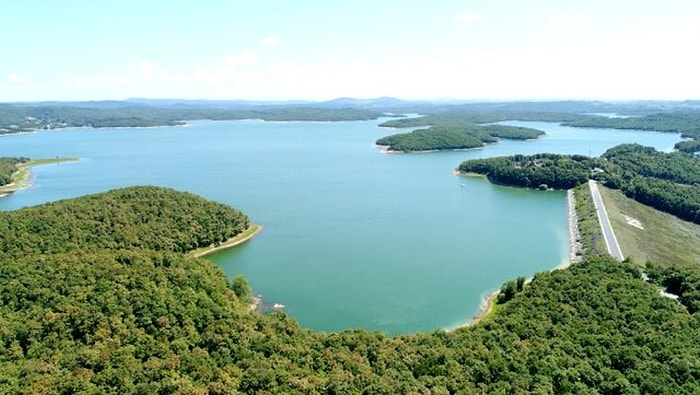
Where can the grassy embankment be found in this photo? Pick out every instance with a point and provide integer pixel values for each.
(21, 178)
(589, 228)
(646, 234)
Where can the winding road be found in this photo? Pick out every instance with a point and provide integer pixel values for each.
(608, 234)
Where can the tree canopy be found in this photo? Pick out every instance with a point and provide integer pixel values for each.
(137, 217)
(534, 171)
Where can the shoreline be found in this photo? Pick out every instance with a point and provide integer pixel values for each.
(238, 239)
(385, 149)
(21, 179)
(460, 173)
(487, 304)
(575, 245)
(485, 309)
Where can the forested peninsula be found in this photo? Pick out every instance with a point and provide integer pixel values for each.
(9, 168)
(98, 296)
(15, 172)
(669, 182)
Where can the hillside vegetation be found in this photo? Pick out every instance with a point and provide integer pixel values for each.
(534, 171)
(124, 311)
(139, 217)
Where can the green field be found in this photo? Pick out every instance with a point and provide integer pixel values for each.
(657, 237)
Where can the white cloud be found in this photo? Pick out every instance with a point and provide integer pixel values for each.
(143, 68)
(247, 57)
(568, 19)
(270, 42)
(15, 78)
(467, 17)
(648, 63)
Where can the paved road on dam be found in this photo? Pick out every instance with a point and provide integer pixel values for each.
(608, 234)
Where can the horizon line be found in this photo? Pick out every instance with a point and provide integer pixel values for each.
(446, 100)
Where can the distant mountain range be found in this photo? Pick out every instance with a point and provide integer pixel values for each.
(384, 104)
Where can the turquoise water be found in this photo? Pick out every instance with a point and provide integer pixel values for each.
(352, 237)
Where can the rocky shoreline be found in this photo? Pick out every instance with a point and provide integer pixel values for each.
(575, 245)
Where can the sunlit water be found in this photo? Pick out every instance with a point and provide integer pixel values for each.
(352, 237)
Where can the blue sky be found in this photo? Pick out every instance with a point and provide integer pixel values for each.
(312, 49)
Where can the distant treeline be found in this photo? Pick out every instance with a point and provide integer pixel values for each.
(669, 182)
(18, 117)
(96, 298)
(687, 124)
(466, 116)
(453, 121)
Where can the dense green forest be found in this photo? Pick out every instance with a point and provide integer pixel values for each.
(669, 182)
(435, 138)
(647, 162)
(8, 167)
(465, 116)
(679, 280)
(535, 171)
(143, 218)
(83, 314)
(688, 146)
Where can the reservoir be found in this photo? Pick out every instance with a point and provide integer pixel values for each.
(352, 237)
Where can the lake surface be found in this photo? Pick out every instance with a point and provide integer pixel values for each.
(352, 237)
